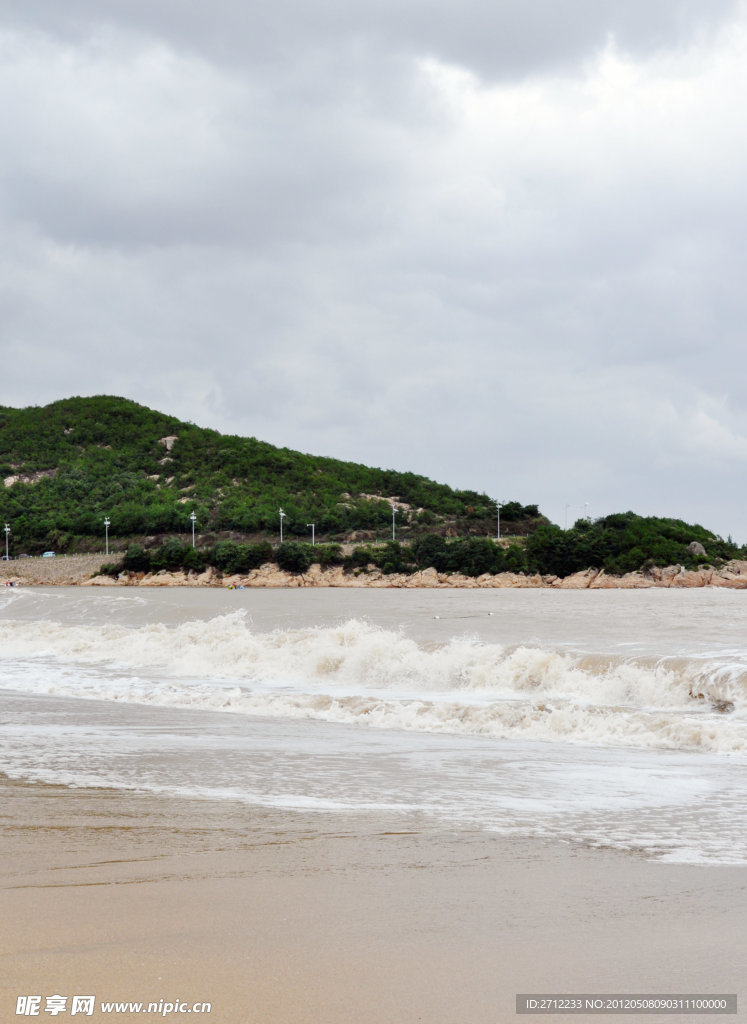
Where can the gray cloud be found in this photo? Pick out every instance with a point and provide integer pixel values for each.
(500, 245)
(502, 39)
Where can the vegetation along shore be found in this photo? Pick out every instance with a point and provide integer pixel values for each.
(85, 570)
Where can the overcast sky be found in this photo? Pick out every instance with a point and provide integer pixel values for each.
(499, 242)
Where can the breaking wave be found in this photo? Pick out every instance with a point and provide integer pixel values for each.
(360, 674)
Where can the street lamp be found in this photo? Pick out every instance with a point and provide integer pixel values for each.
(106, 527)
(282, 517)
(193, 517)
(7, 531)
(312, 525)
(498, 506)
(394, 532)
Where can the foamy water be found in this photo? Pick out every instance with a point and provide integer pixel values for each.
(608, 718)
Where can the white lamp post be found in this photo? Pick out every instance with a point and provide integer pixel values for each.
(498, 506)
(312, 525)
(106, 527)
(282, 517)
(7, 531)
(193, 517)
(394, 532)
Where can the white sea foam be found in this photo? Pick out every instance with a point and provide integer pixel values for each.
(544, 722)
(359, 673)
(673, 805)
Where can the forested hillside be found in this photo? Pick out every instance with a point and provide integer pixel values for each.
(67, 465)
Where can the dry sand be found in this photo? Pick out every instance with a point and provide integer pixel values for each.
(281, 917)
(63, 570)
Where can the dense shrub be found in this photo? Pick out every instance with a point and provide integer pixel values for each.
(621, 543)
(471, 556)
(618, 544)
(230, 557)
(393, 557)
(171, 555)
(136, 559)
(431, 551)
(360, 557)
(327, 554)
(293, 557)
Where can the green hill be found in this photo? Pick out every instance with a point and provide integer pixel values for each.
(625, 542)
(67, 465)
(64, 467)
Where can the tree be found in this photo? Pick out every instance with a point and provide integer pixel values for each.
(293, 557)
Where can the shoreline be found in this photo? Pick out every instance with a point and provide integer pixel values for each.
(286, 916)
(81, 570)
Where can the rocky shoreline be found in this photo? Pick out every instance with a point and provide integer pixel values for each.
(733, 576)
(82, 570)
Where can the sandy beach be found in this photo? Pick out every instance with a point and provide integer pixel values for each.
(62, 570)
(335, 806)
(284, 917)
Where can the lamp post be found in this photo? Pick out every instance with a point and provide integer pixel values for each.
(193, 518)
(394, 531)
(312, 525)
(106, 527)
(7, 531)
(282, 517)
(498, 506)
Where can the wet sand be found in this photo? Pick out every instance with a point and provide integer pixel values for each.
(284, 917)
